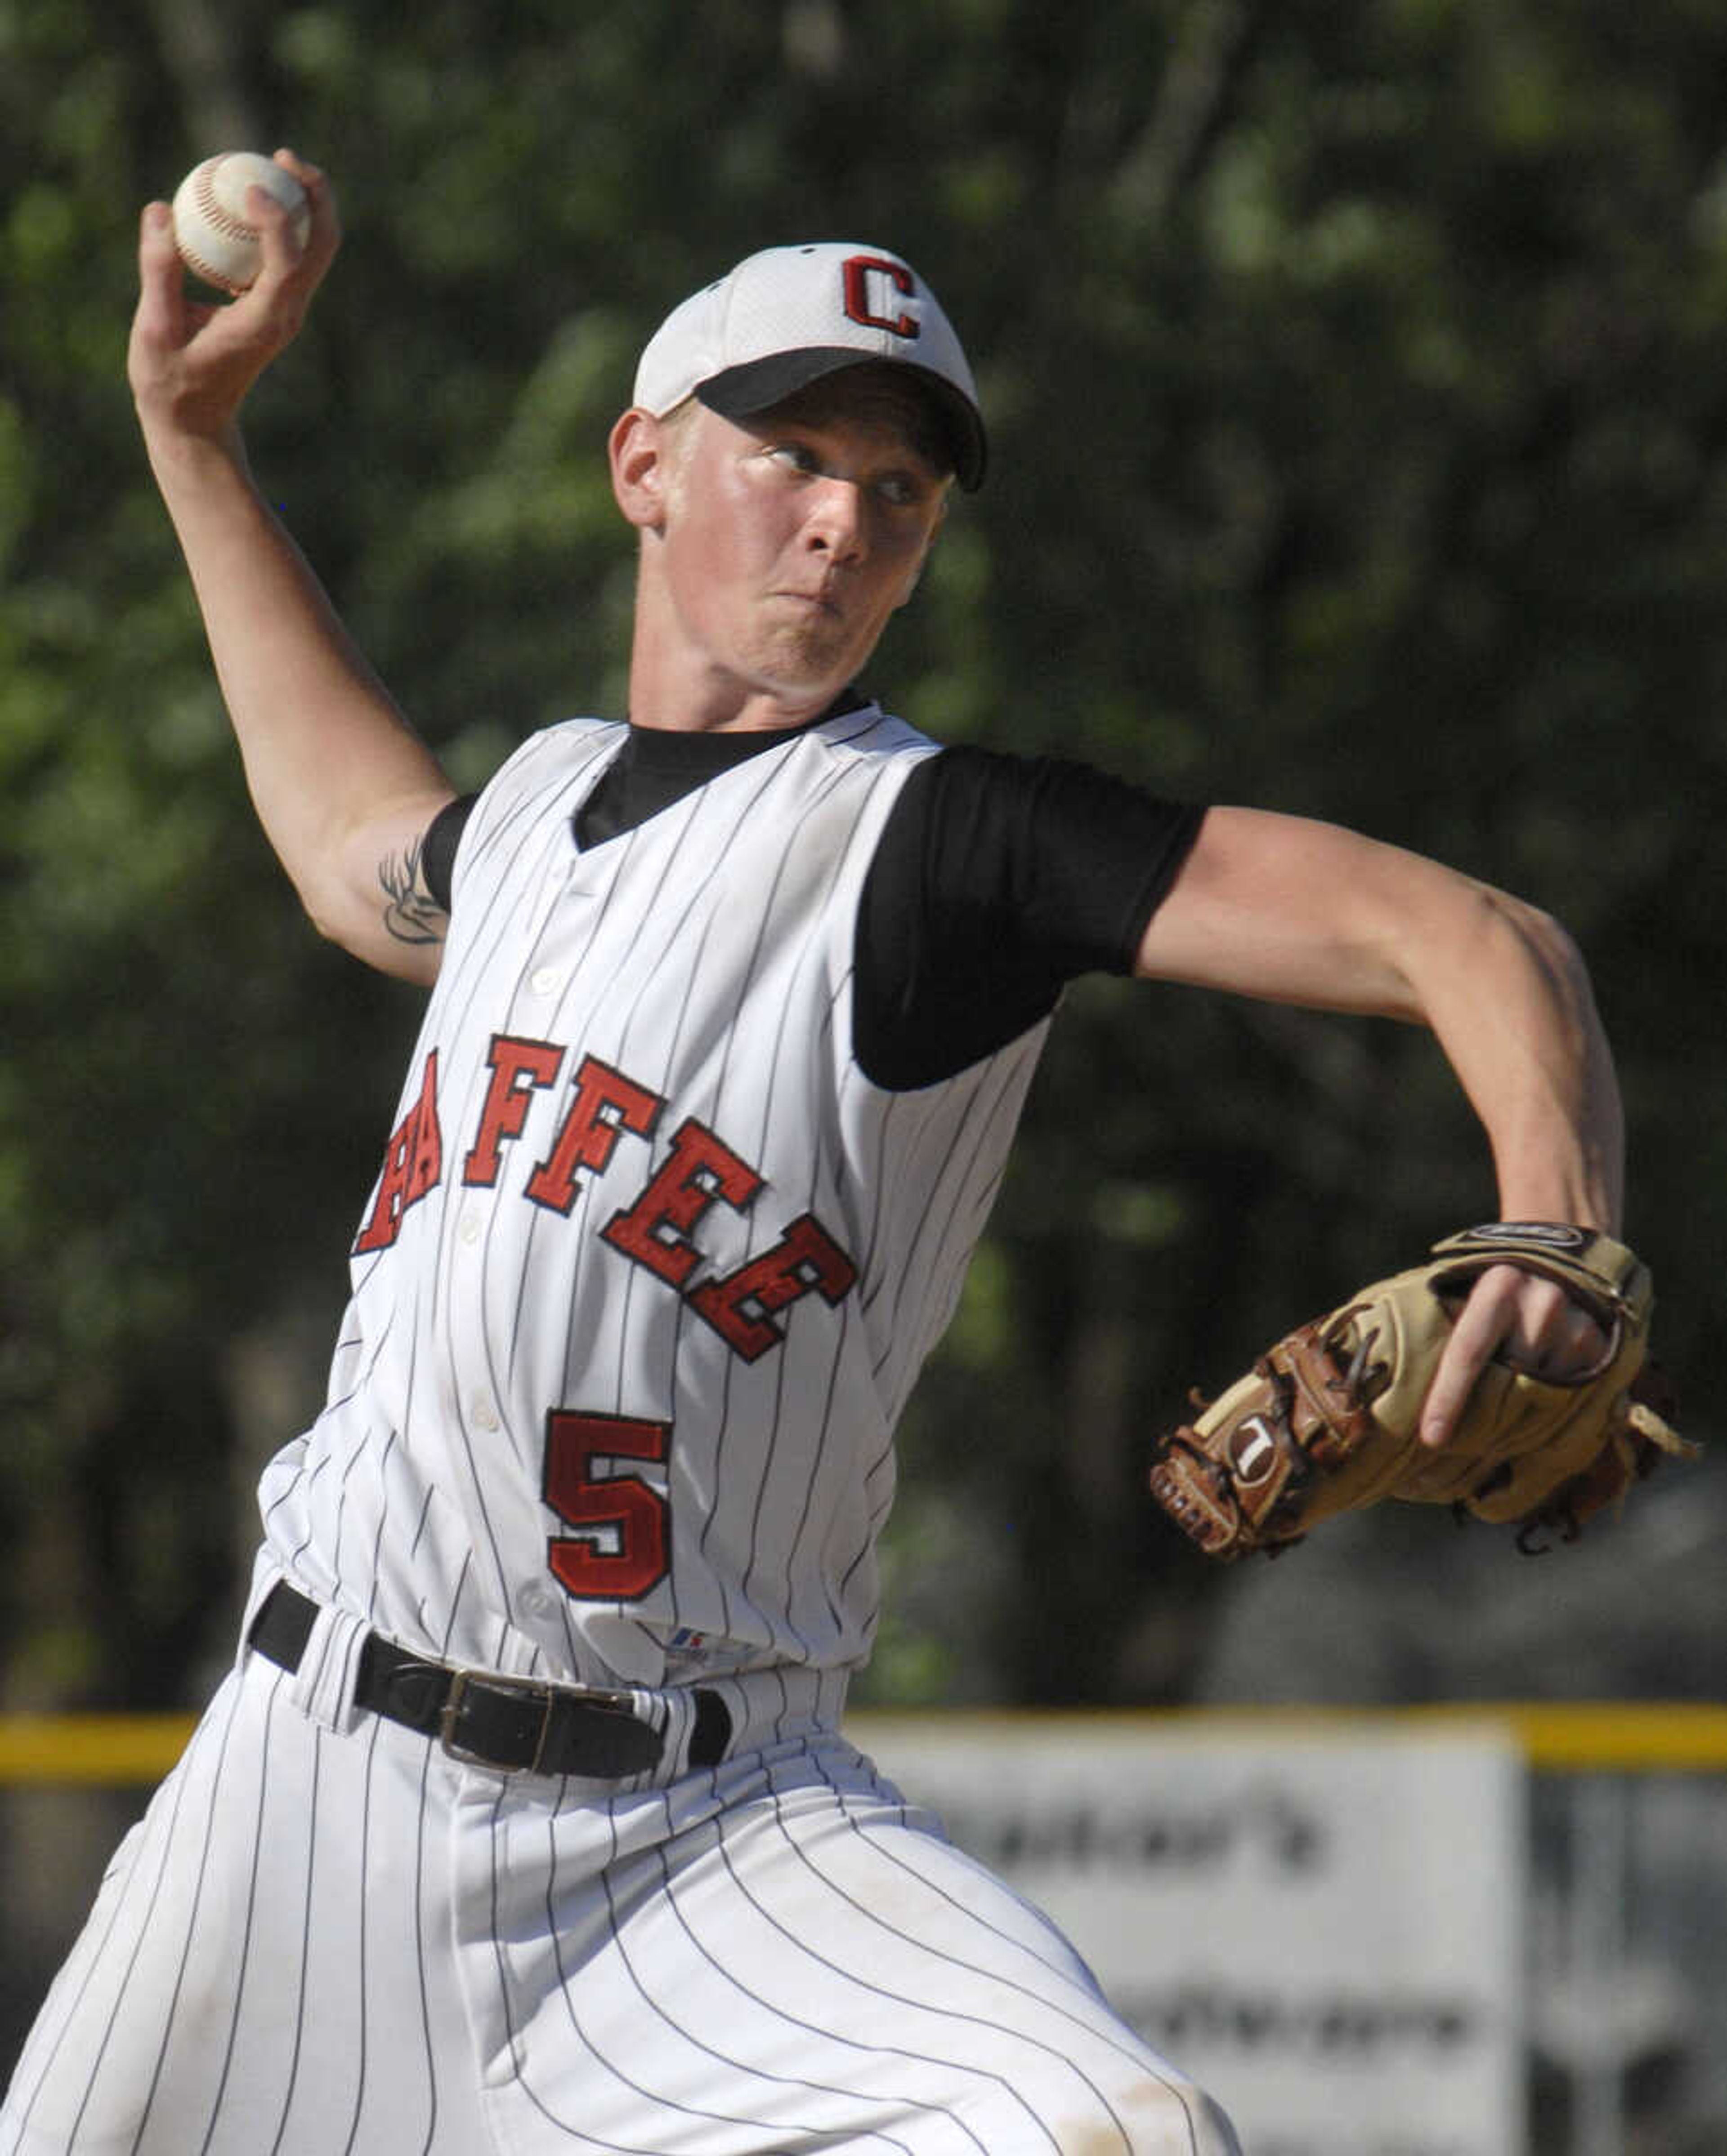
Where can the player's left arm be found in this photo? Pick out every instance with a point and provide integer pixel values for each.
(1302, 912)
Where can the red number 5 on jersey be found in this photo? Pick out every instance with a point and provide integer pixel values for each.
(620, 1550)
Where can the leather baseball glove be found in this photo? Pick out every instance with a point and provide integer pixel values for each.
(1326, 1422)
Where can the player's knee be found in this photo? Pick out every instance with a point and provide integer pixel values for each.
(1154, 2118)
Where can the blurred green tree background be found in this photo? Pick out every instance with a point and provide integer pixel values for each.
(1360, 437)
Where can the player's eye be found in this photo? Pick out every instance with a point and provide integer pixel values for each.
(795, 456)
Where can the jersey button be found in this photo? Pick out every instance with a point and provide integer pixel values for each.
(545, 980)
(485, 1415)
(469, 1229)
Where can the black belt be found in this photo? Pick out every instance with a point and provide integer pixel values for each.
(514, 1723)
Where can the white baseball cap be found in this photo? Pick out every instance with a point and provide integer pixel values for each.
(788, 315)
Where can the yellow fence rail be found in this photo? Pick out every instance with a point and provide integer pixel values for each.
(1641, 1737)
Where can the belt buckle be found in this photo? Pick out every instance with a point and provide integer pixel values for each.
(534, 1688)
(449, 1714)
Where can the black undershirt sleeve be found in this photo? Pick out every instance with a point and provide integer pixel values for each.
(998, 879)
(437, 855)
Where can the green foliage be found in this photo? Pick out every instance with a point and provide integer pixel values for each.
(1358, 436)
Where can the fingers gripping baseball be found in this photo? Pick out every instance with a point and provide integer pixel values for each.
(191, 364)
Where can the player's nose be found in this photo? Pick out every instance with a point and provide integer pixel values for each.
(836, 522)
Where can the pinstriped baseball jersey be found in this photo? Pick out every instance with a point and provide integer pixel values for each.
(650, 1266)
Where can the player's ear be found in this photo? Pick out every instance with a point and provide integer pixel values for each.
(641, 451)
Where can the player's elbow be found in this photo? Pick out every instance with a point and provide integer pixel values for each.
(327, 920)
(407, 946)
(327, 897)
(1546, 942)
(1464, 952)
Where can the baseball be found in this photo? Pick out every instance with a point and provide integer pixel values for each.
(211, 230)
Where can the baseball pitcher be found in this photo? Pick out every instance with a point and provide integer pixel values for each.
(525, 1820)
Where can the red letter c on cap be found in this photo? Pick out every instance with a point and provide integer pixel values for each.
(856, 273)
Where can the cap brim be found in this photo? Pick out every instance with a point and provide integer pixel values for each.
(740, 392)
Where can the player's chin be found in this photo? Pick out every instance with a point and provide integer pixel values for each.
(813, 658)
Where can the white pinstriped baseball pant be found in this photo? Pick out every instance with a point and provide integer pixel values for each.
(328, 1939)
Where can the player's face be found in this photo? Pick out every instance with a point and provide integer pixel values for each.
(789, 540)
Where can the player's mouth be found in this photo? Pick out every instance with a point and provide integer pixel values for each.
(821, 601)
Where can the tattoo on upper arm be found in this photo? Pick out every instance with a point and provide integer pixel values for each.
(411, 914)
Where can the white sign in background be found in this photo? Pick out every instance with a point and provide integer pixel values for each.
(1325, 1930)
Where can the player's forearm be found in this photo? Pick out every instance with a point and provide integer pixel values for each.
(328, 756)
(1510, 1001)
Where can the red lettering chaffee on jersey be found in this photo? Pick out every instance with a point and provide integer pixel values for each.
(652, 1266)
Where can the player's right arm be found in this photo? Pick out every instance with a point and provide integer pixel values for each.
(344, 788)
